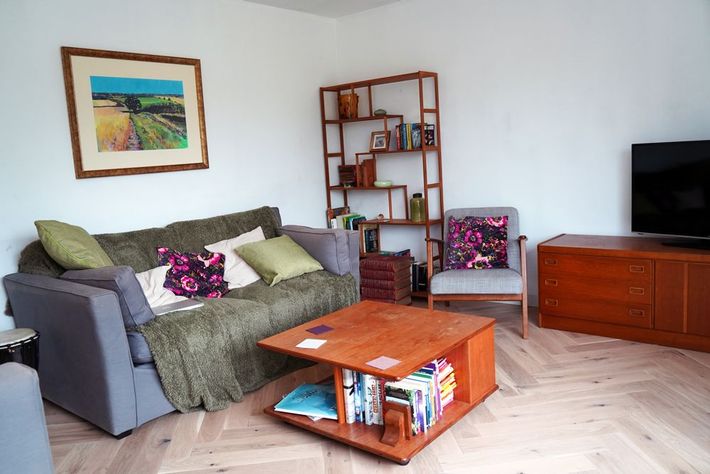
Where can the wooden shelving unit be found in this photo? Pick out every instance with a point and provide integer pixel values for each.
(427, 113)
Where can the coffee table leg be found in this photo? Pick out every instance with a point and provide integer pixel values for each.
(339, 395)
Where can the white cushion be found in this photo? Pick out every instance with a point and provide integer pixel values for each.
(151, 282)
(237, 273)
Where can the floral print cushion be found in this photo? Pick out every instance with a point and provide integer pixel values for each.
(477, 243)
(193, 274)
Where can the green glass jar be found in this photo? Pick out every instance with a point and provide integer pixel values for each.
(417, 213)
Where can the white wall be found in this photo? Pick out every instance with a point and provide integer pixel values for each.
(541, 100)
(540, 103)
(261, 68)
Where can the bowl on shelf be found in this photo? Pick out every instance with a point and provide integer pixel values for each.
(383, 183)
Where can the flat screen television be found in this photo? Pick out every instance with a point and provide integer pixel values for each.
(670, 189)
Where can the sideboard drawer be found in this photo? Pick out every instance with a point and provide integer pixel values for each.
(638, 292)
(639, 315)
(596, 267)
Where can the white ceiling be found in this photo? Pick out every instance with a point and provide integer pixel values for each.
(328, 8)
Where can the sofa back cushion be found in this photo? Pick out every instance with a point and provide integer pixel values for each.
(121, 280)
(194, 235)
(137, 249)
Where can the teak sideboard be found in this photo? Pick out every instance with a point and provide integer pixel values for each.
(632, 288)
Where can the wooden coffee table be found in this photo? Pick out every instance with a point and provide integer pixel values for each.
(414, 336)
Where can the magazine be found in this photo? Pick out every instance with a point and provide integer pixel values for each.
(311, 400)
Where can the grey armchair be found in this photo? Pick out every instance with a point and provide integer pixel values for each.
(499, 284)
(24, 444)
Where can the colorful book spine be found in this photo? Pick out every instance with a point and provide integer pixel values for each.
(357, 398)
(416, 136)
(349, 395)
(429, 134)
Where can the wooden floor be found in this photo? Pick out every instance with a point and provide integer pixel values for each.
(567, 403)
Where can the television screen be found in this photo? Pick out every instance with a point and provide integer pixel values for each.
(670, 188)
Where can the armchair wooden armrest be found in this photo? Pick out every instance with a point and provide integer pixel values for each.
(430, 241)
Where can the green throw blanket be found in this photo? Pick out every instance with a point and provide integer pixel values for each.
(208, 356)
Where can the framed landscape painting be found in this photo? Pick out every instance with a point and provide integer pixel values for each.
(134, 113)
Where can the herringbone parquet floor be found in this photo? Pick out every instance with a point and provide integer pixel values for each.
(567, 403)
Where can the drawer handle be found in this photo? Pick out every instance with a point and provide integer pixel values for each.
(637, 312)
(634, 290)
(550, 282)
(551, 302)
(637, 269)
(550, 261)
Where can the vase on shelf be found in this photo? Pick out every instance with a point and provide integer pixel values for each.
(347, 106)
(417, 213)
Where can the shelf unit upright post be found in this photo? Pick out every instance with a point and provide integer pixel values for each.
(437, 186)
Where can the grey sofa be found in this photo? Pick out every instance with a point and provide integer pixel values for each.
(87, 365)
(24, 444)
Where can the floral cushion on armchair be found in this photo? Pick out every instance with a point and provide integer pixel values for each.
(193, 274)
(477, 243)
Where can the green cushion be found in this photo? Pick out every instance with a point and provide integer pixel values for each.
(278, 259)
(71, 246)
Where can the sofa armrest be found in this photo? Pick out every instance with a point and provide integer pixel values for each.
(24, 443)
(337, 250)
(85, 365)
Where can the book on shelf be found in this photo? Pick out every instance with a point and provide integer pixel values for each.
(396, 253)
(385, 284)
(385, 293)
(416, 136)
(369, 238)
(348, 175)
(349, 395)
(331, 215)
(384, 274)
(373, 400)
(357, 385)
(313, 400)
(419, 276)
(384, 262)
(353, 222)
(429, 134)
(409, 136)
(422, 392)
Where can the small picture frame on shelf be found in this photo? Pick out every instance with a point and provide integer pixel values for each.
(379, 141)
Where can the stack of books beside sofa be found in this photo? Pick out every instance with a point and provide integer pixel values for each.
(387, 279)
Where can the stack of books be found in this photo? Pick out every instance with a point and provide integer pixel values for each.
(447, 382)
(386, 279)
(342, 218)
(426, 392)
(408, 136)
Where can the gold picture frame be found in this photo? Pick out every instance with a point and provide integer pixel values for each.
(132, 113)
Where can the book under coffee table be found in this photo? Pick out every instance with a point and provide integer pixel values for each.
(415, 337)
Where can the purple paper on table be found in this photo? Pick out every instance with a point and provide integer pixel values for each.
(320, 329)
